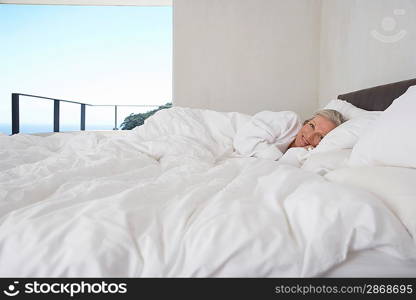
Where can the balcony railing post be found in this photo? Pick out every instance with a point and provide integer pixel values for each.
(56, 115)
(15, 114)
(115, 118)
(82, 116)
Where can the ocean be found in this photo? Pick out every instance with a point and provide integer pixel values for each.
(40, 128)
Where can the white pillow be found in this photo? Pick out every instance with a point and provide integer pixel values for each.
(346, 135)
(395, 186)
(347, 110)
(391, 139)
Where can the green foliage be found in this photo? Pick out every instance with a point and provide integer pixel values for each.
(134, 120)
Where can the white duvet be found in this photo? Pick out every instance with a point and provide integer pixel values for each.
(171, 199)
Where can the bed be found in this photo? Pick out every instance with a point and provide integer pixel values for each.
(172, 199)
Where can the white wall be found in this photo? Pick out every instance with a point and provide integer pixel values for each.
(246, 55)
(252, 55)
(352, 58)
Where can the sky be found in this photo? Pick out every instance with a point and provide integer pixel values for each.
(90, 54)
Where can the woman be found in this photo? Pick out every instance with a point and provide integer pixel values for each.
(269, 134)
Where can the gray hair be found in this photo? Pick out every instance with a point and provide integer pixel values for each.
(330, 114)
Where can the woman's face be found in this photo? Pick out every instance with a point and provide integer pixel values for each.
(313, 132)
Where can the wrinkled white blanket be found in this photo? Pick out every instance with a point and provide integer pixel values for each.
(171, 199)
(267, 135)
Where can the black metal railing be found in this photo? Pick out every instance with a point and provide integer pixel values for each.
(56, 111)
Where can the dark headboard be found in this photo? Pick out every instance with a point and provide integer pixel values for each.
(379, 97)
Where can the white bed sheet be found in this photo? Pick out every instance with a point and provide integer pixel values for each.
(373, 263)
